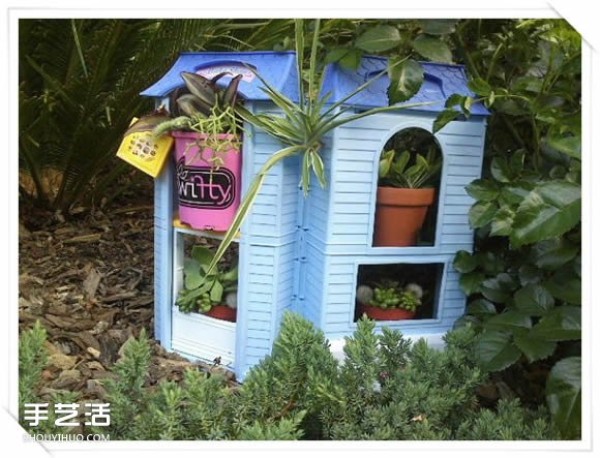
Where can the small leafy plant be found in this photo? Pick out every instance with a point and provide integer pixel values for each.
(208, 109)
(203, 290)
(389, 294)
(398, 171)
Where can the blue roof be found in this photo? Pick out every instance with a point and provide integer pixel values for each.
(277, 68)
(441, 81)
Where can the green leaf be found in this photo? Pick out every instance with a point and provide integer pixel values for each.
(471, 282)
(481, 307)
(483, 189)
(534, 300)
(550, 210)
(454, 100)
(479, 86)
(406, 79)
(444, 118)
(202, 254)
(565, 285)
(561, 323)
(534, 348)
(498, 288)
(570, 146)
(554, 253)
(432, 48)
(502, 222)
(529, 274)
(379, 38)
(352, 59)
(495, 350)
(464, 262)
(563, 396)
(501, 170)
(438, 26)
(508, 321)
(335, 54)
(482, 213)
(192, 276)
(216, 292)
(514, 194)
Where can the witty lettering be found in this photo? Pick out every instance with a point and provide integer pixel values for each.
(203, 187)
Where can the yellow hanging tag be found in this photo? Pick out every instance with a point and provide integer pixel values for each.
(142, 150)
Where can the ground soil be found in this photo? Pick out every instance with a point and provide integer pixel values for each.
(88, 278)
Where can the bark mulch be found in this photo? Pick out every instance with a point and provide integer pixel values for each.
(89, 280)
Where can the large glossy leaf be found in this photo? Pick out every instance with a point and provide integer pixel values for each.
(483, 189)
(479, 86)
(534, 300)
(498, 288)
(563, 396)
(550, 210)
(405, 80)
(509, 321)
(438, 26)
(432, 48)
(482, 213)
(561, 323)
(502, 222)
(496, 351)
(501, 170)
(533, 347)
(465, 262)
(570, 146)
(471, 282)
(529, 274)
(565, 285)
(553, 254)
(444, 118)
(379, 38)
(481, 307)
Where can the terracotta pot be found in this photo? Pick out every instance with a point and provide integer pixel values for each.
(400, 215)
(222, 312)
(379, 314)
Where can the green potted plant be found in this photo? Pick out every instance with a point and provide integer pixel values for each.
(404, 194)
(389, 301)
(207, 134)
(301, 126)
(213, 294)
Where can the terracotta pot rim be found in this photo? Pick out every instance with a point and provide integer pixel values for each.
(379, 314)
(405, 197)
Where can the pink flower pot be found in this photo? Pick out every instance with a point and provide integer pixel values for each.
(208, 196)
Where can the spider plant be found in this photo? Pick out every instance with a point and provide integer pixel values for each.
(300, 128)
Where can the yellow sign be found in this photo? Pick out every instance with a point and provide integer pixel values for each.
(145, 152)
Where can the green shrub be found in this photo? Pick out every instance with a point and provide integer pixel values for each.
(387, 388)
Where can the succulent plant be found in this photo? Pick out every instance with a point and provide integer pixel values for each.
(364, 294)
(389, 294)
(231, 299)
(202, 290)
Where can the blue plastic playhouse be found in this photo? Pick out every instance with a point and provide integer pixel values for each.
(305, 254)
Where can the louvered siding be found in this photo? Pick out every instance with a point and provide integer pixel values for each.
(265, 290)
(340, 221)
(163, 255)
